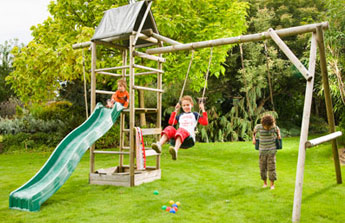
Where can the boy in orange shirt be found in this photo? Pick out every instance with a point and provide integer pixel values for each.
(121, 95)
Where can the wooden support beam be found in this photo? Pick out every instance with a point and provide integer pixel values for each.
(104, 92)
(322, 139)
(165, 39)
(110, 74)
(142, 23)
(93, 98)
(148, 68)
(145, 45)
(113, 45)
(81, 45)
(140, 110)
(289, 54)
(132, 111)
(148, 89)
(112, 68)
(328, 100)
(296, 213)
(145, 73)
(238, 39)
(147, 38)
(151, 131)
(148, 56)
(110, 152)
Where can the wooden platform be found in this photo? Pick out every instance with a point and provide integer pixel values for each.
(116, 177)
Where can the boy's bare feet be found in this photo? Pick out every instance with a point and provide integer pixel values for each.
(157, 147)
(272, 187)
(173, 153)
(264, 186)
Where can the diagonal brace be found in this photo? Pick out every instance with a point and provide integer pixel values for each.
(290, 54)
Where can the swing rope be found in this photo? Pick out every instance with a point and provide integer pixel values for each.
(208, 71)
(269, 75)
(85, 90)
(185, 80)
(205, 85)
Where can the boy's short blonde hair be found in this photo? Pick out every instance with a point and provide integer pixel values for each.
(187, 98)
(122, 82)
(268, 120)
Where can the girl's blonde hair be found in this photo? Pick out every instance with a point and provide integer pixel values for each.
(187, 98)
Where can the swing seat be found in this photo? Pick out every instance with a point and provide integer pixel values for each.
(279, 144)
(187, 143)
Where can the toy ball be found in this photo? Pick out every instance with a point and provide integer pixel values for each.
(178, 203)
(171, 202)
(174, 205)
(168, 208)
(172, 211)
(155, 192)
(164, 207)
(175, 208)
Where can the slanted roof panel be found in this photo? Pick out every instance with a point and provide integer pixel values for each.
(118, 21)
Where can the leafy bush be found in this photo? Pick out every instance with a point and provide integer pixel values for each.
(29, 124)
(110, 139)
(29, 141)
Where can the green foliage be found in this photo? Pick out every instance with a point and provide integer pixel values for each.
(31, 141)
(111, 139)
(50, 57)
(29, 124)
(6, 68)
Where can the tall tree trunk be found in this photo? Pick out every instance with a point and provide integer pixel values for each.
(142, 105)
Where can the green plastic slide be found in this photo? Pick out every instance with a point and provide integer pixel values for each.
(64, 160)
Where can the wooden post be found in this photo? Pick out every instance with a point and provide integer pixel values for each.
(296, 213)
(93, 98)
(132, 111)
(159, 106)
(122, 116)
(328, 99)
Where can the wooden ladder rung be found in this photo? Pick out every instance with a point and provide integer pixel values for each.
(148, 89)
(104, 92)
(151, 152)
(110, 74)
(148, 68)
(151, 131)
(148, 56)
(141, 110)
(110, 152)
(148, 131)
(112, 68)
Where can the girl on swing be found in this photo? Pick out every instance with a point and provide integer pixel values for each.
(187, 121)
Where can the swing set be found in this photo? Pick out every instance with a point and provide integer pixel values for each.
(143, 33)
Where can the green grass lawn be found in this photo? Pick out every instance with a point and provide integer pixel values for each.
(215, 182)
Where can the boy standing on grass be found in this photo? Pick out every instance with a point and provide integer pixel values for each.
(187, 121)
(121, 95)
(268, 132)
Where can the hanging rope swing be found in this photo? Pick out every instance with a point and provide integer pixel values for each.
(189, 141)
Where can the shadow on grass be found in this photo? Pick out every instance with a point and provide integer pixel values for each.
(319, 192)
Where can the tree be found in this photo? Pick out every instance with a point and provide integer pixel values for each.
(49, 58)
(5, 68)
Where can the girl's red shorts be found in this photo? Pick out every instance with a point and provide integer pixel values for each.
(171, 132)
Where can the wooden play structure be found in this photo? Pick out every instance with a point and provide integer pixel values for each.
(143, 33)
